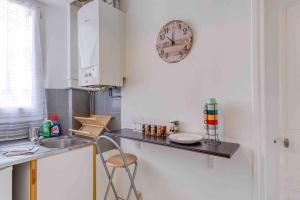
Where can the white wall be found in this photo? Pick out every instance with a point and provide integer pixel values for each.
(218, 66)
(55, 45)
(72, 79)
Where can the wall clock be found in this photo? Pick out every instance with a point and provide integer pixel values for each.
(174, 41)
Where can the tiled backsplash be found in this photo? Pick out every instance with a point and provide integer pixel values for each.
(106, 105)
(79, 105)
(68, 103)
(58, 103)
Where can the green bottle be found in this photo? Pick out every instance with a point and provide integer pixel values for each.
(46, 129)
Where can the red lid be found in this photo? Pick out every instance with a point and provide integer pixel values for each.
(53, 117)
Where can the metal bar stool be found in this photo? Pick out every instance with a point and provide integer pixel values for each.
(121, 160)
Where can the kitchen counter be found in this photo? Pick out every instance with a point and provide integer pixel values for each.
(41, 153)
(224, 149)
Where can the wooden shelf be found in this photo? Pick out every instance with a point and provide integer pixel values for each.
(224, 149)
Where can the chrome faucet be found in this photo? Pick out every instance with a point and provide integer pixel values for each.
(38, 141)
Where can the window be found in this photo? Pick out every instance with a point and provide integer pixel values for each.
(21, 73)
(16, 36)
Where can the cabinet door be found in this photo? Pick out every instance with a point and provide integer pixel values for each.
(6, 184)
(66, 176)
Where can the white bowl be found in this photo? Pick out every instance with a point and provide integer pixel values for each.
(185, 138)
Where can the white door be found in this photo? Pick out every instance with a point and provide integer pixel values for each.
(289, 63)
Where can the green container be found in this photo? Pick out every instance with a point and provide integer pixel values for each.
(212, 101)
(212, 104)
(46, 129)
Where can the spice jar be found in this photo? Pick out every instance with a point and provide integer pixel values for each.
(147, 129)
(143, 128)
(153, 130)
(161, 130)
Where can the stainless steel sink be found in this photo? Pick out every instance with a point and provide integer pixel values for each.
(62, 142)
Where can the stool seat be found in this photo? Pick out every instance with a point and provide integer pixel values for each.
(117, 161)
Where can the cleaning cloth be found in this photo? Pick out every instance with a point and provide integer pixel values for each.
(19, 150)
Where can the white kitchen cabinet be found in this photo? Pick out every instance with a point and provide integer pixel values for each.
(61, 177)
(66, 176)
(6, 184)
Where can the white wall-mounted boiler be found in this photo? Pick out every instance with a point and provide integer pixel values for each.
(101, 45)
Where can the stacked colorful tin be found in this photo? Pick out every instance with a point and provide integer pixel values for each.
(211, 118)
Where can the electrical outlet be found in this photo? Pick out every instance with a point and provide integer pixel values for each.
(140, 195)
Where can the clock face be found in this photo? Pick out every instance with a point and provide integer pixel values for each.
(174, 41)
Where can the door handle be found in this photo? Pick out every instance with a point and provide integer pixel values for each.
(286, 143)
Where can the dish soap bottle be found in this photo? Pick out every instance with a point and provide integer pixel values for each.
(56, 127)
(46, 129)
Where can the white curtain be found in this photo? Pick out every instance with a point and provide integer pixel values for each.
(22, 97)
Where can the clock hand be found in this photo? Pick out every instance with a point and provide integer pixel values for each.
(173, 32)
(171, 40)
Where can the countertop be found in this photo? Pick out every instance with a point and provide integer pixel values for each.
(223, 149)
(41, 153)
